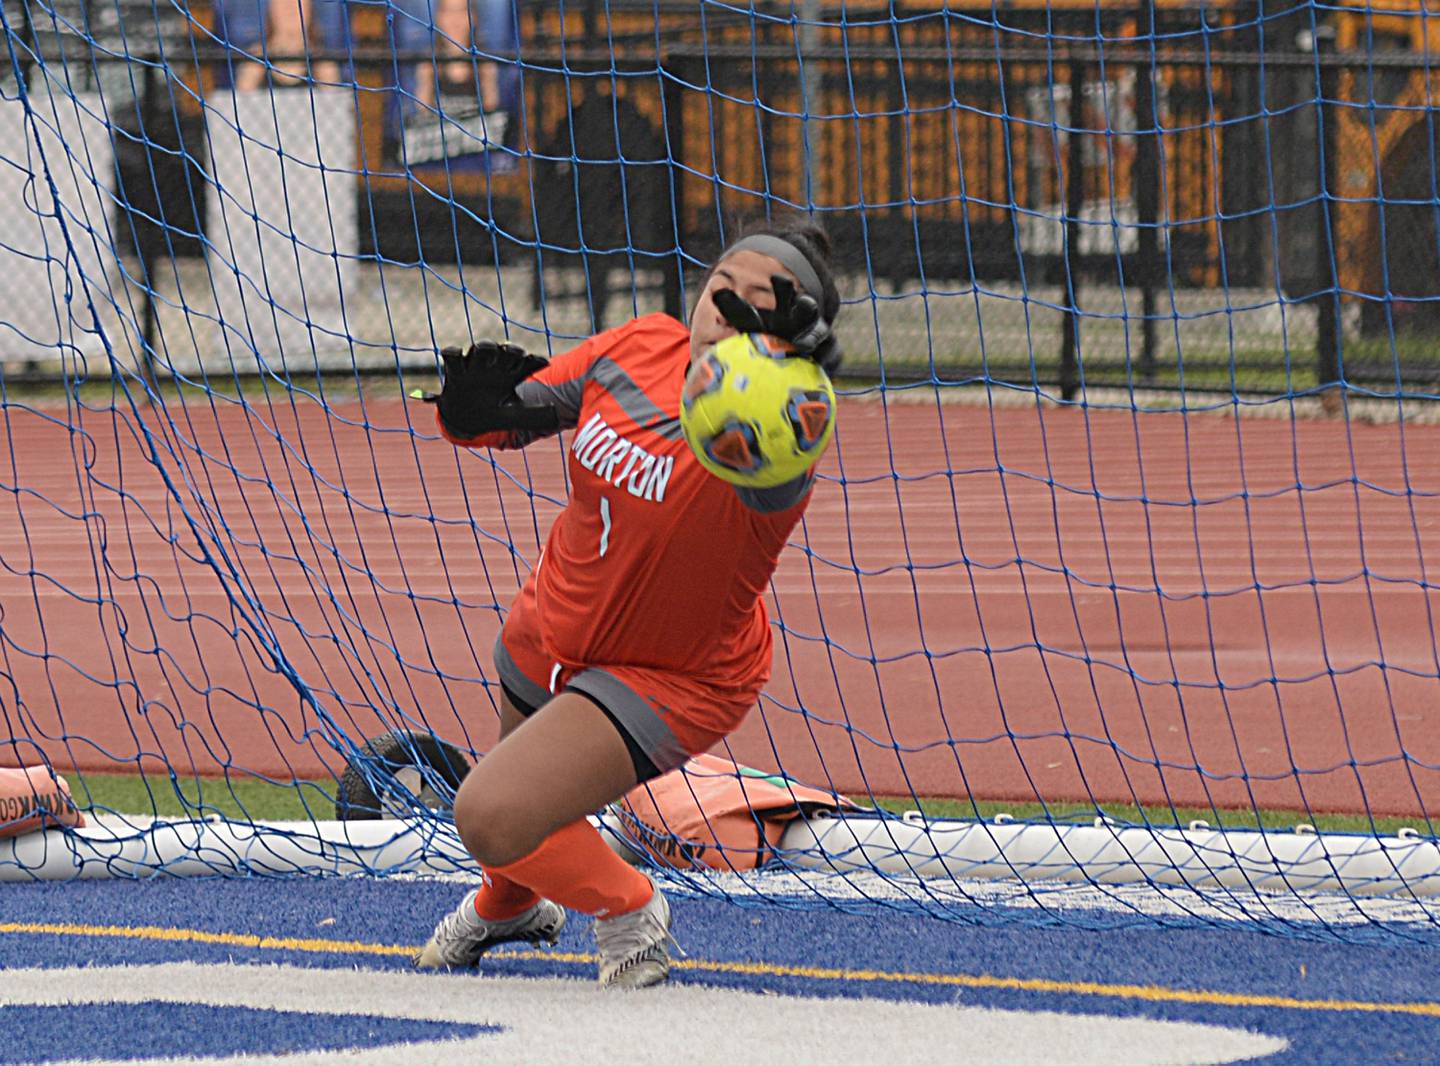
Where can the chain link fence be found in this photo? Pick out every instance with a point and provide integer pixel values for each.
(1153, 195)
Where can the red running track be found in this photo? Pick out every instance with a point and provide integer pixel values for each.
(1010, 603)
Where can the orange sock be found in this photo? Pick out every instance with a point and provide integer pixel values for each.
(500, 898)
(576, 868)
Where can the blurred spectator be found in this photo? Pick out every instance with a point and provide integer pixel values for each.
(454, 105)
(456, 25)
(290, 28)
(458, 104)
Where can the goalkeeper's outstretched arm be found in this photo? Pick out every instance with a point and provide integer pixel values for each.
(500, 396)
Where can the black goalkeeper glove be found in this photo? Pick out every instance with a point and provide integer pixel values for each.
(478, 393)
(795, 318)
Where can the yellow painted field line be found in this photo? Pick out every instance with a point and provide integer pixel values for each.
(200, 936)
(1147, 993)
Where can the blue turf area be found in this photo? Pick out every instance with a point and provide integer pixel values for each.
(147, 1030)
(792, 945)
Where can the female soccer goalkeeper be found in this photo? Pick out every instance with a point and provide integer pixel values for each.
(640, 637)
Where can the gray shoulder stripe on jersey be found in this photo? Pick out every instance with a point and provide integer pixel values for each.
(780, 497)
(564, 397)
(632, 399)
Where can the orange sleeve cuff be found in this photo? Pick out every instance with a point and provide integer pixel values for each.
(498, 439)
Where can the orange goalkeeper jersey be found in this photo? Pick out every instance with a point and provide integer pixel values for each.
(654, 562)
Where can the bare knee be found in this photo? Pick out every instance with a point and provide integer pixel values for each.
(495, 830)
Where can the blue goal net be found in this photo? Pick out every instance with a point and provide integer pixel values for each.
(1117, 594)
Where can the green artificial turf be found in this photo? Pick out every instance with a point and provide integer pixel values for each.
(256, 799)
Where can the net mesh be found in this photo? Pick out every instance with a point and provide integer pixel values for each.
(1131, 511)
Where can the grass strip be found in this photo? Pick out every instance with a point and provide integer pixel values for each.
(237, 797)
(246, 798)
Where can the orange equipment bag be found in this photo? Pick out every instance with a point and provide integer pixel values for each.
(35, 797)
(712, 813)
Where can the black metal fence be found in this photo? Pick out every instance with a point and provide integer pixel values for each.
(1152, 195)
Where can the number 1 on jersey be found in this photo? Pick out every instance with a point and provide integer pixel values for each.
(605, 531)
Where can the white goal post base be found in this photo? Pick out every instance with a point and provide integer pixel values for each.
(1197, 857)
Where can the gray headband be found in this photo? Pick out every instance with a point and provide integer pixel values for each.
(790, 257)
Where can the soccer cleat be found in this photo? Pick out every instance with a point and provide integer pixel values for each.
(463, 936)
(634, 947)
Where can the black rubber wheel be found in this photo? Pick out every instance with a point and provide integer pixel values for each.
(391, 772)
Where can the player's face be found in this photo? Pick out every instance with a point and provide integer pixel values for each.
(748, 274)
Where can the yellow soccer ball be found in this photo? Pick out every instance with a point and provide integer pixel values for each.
(755, 415)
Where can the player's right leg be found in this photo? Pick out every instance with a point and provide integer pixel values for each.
(524, 806)
(522, 813)
(462, 936)
(499, 911)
